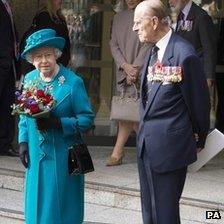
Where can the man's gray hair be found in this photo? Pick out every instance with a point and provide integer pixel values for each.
(29, 56)
(150, 8)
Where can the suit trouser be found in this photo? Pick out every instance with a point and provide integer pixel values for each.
(219, 124)
(160, 193)
(7, 96)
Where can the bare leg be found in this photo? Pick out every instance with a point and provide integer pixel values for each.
(135, 127)
(124, 130)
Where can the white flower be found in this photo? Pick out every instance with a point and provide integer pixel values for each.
(48, 88)
(26, 111)
(61, 80)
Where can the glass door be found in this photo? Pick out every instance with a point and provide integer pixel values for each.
(89, 23)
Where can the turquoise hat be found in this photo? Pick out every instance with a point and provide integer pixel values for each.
(43, 38)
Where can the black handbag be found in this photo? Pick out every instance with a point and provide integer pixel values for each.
(79, 160)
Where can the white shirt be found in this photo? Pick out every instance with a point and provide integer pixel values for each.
(186, 9)
(162, 44)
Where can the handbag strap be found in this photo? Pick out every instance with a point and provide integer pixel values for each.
(123, 91)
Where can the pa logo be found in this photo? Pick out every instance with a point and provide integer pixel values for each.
(213, 215)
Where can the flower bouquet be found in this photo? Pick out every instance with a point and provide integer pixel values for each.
(33, 102)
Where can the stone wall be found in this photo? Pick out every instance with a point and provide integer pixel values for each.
(24, 11)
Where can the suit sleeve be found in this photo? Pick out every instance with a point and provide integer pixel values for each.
(196, 95)
(5, 42)
(209, 44)
(83, 114)
(114, 46)
(23, 132)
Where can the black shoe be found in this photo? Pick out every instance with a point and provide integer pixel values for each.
(10, 152)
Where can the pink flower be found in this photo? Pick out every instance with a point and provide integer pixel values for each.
(158, 67)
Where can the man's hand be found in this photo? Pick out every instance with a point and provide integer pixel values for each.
(43, 124)
(210, 82)
(24, 154)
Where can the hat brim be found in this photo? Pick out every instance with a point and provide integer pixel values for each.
(56, 42)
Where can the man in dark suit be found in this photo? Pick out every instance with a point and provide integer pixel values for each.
(196, 26)
(174, 114)
(8, 56)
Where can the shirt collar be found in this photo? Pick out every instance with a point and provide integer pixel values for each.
(162, 43)
(186, 9)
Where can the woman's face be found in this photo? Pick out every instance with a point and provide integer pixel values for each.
(56, 4)
(132, 3)
(44, 60)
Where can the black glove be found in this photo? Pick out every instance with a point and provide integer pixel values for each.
(23, 153)
(43, 124)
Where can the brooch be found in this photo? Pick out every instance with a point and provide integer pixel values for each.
(61, 80)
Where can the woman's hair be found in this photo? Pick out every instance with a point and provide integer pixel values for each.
(47, 5)
(29, 56)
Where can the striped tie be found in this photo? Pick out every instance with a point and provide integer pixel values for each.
(180, 19)
(147, 86)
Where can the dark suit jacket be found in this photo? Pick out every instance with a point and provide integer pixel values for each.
(203, 38)
(42, 20)
(175, 111)
(6, 41)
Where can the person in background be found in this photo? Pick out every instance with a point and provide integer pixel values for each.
(174, 114)
(51, 195)
(128, 54)
(49, 15)
(211, 8)
(196, 26)
(8, 74)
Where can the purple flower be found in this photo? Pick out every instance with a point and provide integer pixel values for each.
(32, 102)
(17, 93)
(19, 97)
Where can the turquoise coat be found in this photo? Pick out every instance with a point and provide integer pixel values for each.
(51, 195)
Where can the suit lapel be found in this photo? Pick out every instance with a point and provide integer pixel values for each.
(168, 54)
(191, 13)
(145, 71)
(166, 61)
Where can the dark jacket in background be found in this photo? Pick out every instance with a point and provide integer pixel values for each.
(7, 79)
(203, 38)
(7, 54)
(43, 20)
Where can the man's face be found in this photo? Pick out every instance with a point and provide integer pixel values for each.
(132, 3)
(44, 60)
(56, 4)
(177, 5)
(144, 27)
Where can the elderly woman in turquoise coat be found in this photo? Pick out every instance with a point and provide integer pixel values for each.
(51, 195)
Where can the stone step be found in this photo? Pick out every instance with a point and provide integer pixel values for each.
(11, 212)
(113, 200)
